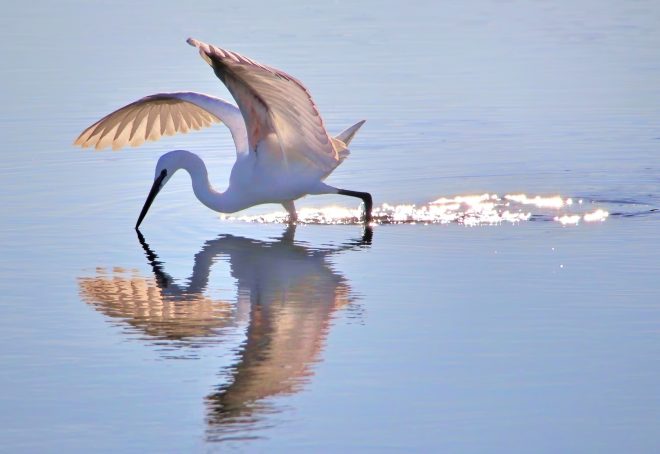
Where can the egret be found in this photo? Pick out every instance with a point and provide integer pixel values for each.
(283, 151)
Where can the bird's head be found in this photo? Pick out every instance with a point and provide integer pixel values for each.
(167, 165)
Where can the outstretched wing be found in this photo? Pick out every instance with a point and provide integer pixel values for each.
(281, 117)
(163, 114)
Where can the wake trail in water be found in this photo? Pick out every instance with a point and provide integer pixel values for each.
(469, 210)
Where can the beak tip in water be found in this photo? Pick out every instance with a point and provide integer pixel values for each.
(150, 198)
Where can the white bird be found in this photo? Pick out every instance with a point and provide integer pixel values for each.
(283, 151)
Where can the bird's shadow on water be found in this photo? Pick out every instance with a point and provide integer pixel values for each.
(287, 292)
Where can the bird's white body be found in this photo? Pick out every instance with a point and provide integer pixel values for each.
(283, 151)
(251, 183)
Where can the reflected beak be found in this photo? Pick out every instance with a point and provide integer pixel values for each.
(155, 189)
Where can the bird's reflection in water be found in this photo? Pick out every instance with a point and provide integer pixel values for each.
(287, 290)
(158, 308)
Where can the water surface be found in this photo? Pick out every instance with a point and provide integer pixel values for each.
(451, 326)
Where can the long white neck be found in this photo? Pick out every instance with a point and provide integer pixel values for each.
(224, 202)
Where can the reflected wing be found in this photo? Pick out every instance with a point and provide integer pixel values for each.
(162, 114)
(125, 295)
(281, 117)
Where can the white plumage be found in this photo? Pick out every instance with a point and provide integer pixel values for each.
(283, 149)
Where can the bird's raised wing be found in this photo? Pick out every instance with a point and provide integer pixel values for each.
(163, 114)
(281, 117)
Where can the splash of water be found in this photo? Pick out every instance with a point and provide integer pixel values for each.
(469, 210)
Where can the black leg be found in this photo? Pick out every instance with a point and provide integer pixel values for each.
(366, 198)
(367, 235)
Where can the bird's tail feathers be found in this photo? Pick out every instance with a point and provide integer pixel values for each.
(347, 134)
(340, 148)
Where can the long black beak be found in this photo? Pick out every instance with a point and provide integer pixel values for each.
(155, 189)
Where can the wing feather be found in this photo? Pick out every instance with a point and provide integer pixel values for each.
(124, 130)
(163, 114)
(274, 103)
(176, 118)
(166, 123)
(138, 133)
(194, 121)
(153, 123)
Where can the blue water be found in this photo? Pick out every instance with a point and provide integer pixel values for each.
(207, 333)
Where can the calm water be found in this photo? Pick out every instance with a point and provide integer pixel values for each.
(479, 333)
